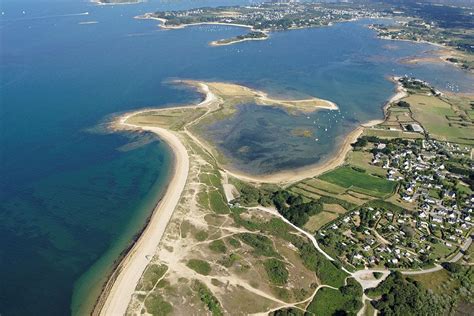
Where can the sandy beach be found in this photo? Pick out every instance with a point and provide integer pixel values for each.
(118, 294)
(217, 43)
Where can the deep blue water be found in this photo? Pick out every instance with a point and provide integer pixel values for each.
(72, 196)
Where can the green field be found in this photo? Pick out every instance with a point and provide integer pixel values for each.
(317, 221)
(385, 133)
(362, 160)
(434, 113)
(358, 181)
(439, 281)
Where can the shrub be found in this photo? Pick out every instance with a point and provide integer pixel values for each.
(200, 266)
(276, 271)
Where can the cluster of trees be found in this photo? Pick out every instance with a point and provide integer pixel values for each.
(367, 218)
(400, 296)
(290, 205)
(251, 35)
(252, 196)
(294, 209)
(403, 104)
(365, 140)
(288, 312)
(328, 272)
(353, 291)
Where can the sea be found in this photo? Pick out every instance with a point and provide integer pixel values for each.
(74, 195)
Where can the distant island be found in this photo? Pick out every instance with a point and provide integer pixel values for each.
(449, 27)
(265, 17)
(110, 2)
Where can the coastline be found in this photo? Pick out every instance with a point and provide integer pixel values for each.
(121, 285)
(217, 43)
(162, 25)
(335, 160)
(442, 52)
(118, 290)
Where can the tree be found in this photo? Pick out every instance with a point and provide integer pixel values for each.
(452, 267)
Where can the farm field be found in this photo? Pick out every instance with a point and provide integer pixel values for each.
(362, 160)
(386, 133)
(315, 222)
(358, 181)
(315, 189)
(440, 120)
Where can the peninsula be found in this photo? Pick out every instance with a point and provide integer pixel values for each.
(317, 242)
(264, 18)
(449, 27)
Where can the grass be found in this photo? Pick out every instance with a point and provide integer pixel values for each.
(262, 245)
(343, 203)
(433, 113)
(210, 179)
(334, 208)
(203, 199)
(464, 188)
(217, 204)
(438, 282)
(157, 306)
(369, 309)
(234, 242)
(206, 296)
(317, 221)
(362, 159)
(304, 193)
(385, 133)
(152, 274)
(345, 200)
(200, 266)
(201, 235)
(276, 271)
(440, 250)
(170, 119)
(218, 246)
(329, 274)
(327, 302)
(324, 186)
(228, 261)
(348, 177)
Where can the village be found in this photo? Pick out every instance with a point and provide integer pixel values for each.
(276, 15)
(434, 229)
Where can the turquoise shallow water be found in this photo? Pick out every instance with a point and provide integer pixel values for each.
(72, 198)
